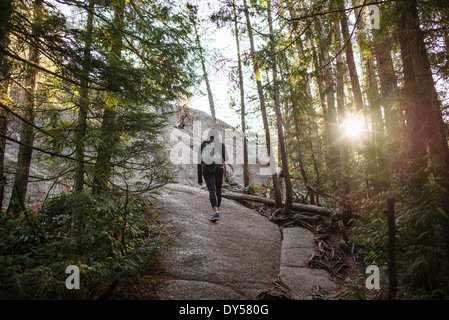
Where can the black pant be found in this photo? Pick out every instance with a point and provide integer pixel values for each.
(214, 180)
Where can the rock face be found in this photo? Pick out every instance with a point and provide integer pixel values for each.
(189, 127)
(242, 253)
(297, 247)
(234, 258)
(230, 259)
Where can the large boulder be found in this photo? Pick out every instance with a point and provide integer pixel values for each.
(230, 259)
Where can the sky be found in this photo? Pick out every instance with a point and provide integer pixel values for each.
(220, 44)
(222, 41)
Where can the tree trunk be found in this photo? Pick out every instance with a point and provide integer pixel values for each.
(415, 115)
(312, 125)
(304, 99)
(242, 102)
(320, 83)
(343, 183)
(332, 155)
(296, 206)
(19, 189)
(382, 48)
(378, 166)
(302, 169)
(5, 15)
(277, 191)
(109, 135)
(355, 84)
(369, 74)
(81, 127)
(288, 186)
(203, 65)
(427, 98)
(426, 116)
(311, 133)
(4, 87)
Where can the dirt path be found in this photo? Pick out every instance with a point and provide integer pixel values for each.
(234, 258)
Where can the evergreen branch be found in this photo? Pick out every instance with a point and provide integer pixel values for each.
(45, 151)
(18, 58)
(25, 120)
(346, 43)
(304, 31)
(339, 10)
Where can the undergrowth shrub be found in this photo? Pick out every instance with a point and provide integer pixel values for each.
(119, 238)
(422, 227)
(251, 189)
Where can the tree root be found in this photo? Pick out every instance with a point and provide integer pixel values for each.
(326, 257)
(277, 290)
(334, 259)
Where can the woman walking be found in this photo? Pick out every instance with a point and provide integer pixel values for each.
(212, 156)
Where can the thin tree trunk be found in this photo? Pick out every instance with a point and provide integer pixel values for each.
(314, 162)
(370, 77)
(277, 191)
(242, 101)
(305, 99)
(80, 131)
(355, 84)
(81, 127)
(288, 185)
(5, 15)
(312, 125)
(20, 186)
(343, 183)
(109, 136)
(320, 83)
(4, 88)
(302, 169)
(329, 90)
(382, 48)
(205, 75)
(378, 166)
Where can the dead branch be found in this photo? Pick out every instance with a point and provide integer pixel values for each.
(297, 206)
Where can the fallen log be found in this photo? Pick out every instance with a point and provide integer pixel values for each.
(297, 206)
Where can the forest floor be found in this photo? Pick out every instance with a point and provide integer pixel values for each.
(244, 255)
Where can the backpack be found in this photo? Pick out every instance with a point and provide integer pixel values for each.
(209, 156)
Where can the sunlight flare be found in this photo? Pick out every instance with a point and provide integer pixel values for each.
(354, 126)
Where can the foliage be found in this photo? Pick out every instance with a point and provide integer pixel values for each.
(421, 240)
(426, 255)
(251, 189)
(113, 78)
(115, 243)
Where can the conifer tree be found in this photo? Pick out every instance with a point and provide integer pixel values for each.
(20, 185)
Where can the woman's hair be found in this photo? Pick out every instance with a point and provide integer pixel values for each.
(214, 135)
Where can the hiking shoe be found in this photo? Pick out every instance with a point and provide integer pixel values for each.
(215, 216)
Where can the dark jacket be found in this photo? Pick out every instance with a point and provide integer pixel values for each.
(201, 165)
